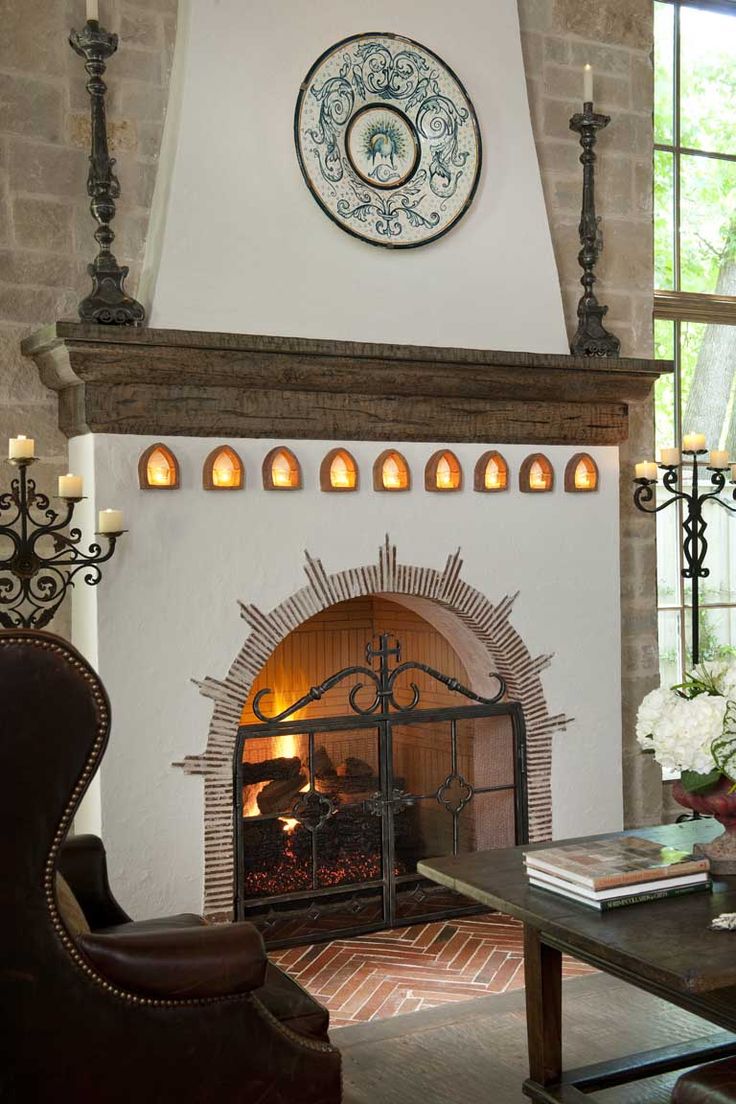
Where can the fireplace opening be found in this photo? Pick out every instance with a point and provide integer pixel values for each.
(355, 761)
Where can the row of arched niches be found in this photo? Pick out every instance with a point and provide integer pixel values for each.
(224, 470)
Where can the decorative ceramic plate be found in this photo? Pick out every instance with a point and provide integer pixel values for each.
(387, 140)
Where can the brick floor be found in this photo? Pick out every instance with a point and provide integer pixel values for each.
(405, 970)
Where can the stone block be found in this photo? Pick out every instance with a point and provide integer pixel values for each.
(614, 186)
(33, 38)
(31, 105)
(121, 133)
(20, 266)
(139, 65)
(556, 49)
(42, 224)
(5, 224)
(149, 140)
(535, 15)
(620, 22)
(40, 421)
(141, 101)
(626, 260)
(559, 156)
(604, 59)
(52, 170)
(531, 46)
(642, 83)
(27, 303)
(141, 27)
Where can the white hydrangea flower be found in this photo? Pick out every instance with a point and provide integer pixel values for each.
(679, 730)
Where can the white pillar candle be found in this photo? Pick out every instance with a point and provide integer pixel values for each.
(647, 469)
(70, 486)
(733, 473)
(670, 457)
(718, 458)
(92, 10)
(110, 521)
(21, 448)
(587, 83)
(693, 442)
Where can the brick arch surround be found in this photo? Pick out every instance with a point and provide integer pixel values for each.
(479, 630)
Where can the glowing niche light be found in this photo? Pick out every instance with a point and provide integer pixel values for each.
(281, 471)
(581, 474)
(491, 473)
(391, 472)
(443, 472)
(223, 470)
(338, 471)
(158, 469)
(536, 474)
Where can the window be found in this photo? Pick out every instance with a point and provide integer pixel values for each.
(695, 298)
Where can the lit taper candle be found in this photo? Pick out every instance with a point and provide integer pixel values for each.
(93, 11)
(587, 83)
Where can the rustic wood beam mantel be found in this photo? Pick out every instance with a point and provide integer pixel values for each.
(175, 382)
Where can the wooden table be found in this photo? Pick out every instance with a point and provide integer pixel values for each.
(664, 947)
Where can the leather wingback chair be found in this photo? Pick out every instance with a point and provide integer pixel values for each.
(711, 1084)
(153, 1011)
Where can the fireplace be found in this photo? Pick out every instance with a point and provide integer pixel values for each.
(346, 778)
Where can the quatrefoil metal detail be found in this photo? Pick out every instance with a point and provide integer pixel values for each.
(313, 809)
(455, 793)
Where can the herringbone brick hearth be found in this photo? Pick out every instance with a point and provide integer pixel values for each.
(410, 969)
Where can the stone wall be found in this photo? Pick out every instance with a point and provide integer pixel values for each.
(615, 37)
(46, 230)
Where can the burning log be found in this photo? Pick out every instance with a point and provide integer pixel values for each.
(323, 766)
(353, 767)
(269, 770)
(277, 796)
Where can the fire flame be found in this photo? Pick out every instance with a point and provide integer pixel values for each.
(287, 748)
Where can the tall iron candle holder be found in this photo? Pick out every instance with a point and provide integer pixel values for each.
(33, 584)
(694, 545)
(591, 339)
(108, 303)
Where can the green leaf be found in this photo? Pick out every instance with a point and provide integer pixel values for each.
(694, 782)
(723, 747)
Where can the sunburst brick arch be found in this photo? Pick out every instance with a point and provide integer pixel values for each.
(480, 631)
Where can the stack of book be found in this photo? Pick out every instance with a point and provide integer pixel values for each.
(626, 870)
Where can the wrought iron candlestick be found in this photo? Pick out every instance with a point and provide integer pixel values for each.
(33, 585)
(108, 303)
(591, 339)
(694, 545)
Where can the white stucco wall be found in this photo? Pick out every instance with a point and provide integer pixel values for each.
(167, 612)
(240, 244)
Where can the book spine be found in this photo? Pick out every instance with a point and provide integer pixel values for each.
(656, 895)
(637, 877)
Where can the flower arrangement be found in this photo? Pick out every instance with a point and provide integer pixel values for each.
(691, 728)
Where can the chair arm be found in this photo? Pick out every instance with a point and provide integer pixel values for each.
(83, 863)
(711, 1084)
(180, 963)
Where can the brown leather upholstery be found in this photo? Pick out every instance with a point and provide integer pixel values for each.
(172, 961)
(292, 1005)
(711, 1084)
(77, 1023)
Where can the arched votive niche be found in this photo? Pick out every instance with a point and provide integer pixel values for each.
(536, 475)
(338, 471)
(443, 472)
(491, 473)
(281, 470)
(391, 472)
(158, 469)
(581, 474)
(223, 470)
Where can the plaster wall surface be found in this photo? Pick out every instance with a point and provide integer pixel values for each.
(168, 612)
(261, 257)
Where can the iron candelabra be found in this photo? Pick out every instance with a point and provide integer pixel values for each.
(108, 303)
(34, 583)
(591, 338)
(695, 544)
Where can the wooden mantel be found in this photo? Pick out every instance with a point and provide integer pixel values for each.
(172, 382)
